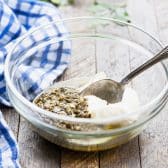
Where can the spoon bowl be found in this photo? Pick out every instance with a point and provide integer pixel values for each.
(106, 89)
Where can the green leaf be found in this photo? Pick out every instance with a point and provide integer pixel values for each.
(121, 14)
(71, 2)
(108, 10)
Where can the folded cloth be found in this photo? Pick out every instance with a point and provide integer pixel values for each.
(42, 67)
(8, 147)
(16, 18)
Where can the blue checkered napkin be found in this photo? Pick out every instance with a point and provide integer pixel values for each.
(39, 69)
(43, 66)
(8, 147)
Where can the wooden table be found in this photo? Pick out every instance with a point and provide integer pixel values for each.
(149, 150)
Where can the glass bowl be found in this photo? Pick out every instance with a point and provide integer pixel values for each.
(97, 44)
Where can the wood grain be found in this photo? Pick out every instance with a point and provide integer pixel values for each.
(154, 140)
(114, 59)
(35, 151)
(82, 64)
(121, 157)
(72, 159)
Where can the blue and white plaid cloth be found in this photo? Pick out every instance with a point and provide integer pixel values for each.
(37, 71)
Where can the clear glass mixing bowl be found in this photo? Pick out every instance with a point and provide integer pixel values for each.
(125, 44)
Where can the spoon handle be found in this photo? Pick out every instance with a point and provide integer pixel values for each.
(163, 54)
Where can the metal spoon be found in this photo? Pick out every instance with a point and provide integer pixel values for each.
(112, 91)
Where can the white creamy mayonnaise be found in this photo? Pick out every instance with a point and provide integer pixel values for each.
(99, 108)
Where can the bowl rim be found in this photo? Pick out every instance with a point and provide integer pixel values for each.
(68, 118)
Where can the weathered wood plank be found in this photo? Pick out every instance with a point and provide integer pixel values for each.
(86, 66)
(82, 64)
(113, 58)
(35, 151)
(121, 157)
(153, 141)
(72, 159)
(161, 14)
